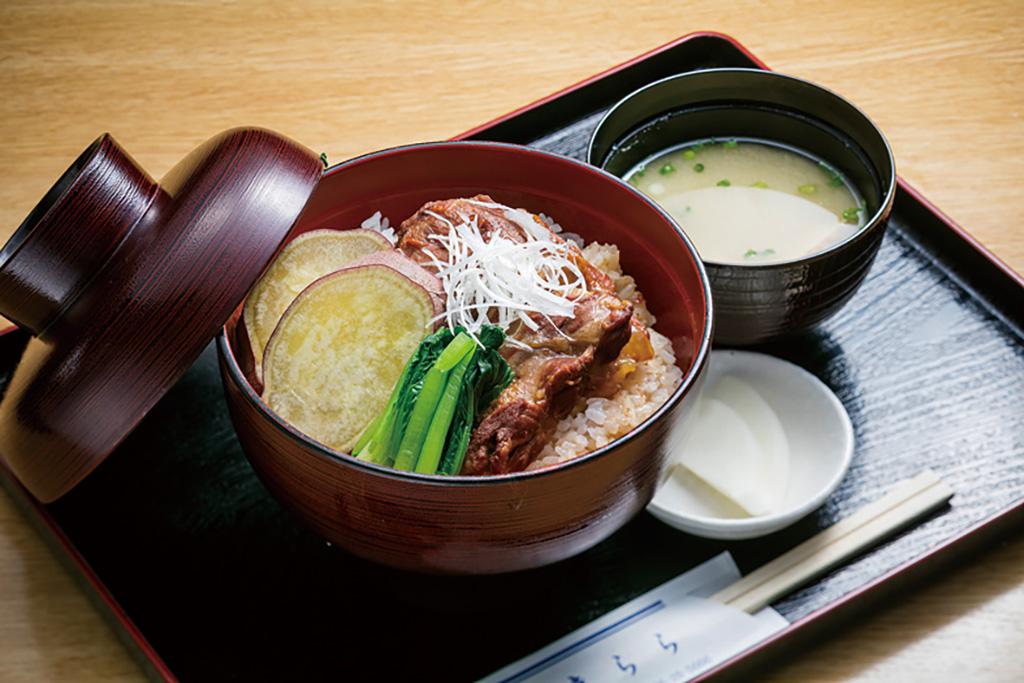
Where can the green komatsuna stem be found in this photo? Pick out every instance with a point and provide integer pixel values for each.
(372, 443)
(426, 402)
(359, 449)
(379, 443)
(437, 433)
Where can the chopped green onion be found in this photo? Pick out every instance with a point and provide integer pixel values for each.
(731, 144)
(851, 215)
(809, 188)
(689, 154)
(698, 168)
(749, 253)
(761, 184)
(666, 169)
(323, 159)
(724, 182)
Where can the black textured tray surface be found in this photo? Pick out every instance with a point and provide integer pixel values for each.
(225, 585)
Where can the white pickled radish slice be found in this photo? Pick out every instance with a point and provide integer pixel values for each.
(722, 451)
(773, 471)
(737, 446)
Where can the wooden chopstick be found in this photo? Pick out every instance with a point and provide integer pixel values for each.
(910, 500)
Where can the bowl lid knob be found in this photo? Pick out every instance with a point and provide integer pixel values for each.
(71, 233)
(123, 281)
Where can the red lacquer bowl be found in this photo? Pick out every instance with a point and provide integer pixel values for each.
(477, 525)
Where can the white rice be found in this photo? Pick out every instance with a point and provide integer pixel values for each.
(557, 229)
(597, 421)
(380, 223)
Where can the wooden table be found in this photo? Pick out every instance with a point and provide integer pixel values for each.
(943, 79)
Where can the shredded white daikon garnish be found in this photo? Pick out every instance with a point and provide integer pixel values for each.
(499, 281)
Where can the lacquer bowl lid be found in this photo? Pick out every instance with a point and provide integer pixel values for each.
(122, 281)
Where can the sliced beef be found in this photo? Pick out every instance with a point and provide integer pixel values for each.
(601, 321)
(565, 356)
(435, 218)
(522, 418)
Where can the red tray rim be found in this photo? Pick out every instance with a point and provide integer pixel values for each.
(135, 635)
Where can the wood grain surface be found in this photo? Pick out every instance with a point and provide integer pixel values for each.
(942, 79)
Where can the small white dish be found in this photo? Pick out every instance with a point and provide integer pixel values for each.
(820, 437)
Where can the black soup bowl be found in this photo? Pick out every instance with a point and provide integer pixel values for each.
(763, 302)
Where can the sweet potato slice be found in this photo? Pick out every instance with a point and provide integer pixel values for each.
(339, 348)
(306, 258)
(409, 268)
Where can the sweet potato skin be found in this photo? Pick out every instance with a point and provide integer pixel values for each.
(405, 266)
(340, 346)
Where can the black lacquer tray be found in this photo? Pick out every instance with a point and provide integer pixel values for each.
(208, 578)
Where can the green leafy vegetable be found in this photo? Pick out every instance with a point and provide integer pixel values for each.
(437, 434)
(492, 372)
(448, 382)
(731, 144)
(370, 430)
(491, 375)
(381, 440)
(427, 402)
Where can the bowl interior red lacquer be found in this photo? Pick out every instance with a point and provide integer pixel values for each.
(483, 524)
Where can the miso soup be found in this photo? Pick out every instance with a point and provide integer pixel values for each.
(747, 201)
